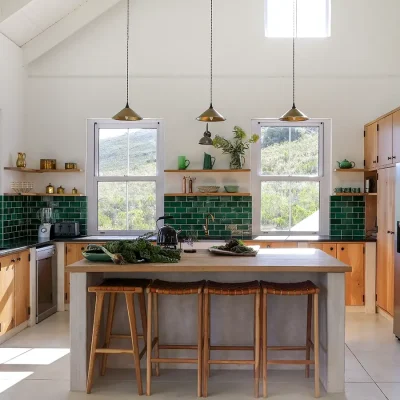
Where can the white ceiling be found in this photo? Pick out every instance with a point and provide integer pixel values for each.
(34, 17)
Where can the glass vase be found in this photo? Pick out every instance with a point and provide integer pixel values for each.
(237, 161)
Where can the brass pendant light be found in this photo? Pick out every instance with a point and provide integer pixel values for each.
(294, 114)
(211, 115)
(127, 114)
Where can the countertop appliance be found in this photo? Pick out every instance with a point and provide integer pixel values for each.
(66, 229)
(46, 282)
(167, 236)
(46, 216)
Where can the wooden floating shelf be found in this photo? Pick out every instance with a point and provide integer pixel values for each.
(207, 170)
(350, 170)
(44, 194)
(356, 194)
(41, 171)
(372, 194)
(207, 194)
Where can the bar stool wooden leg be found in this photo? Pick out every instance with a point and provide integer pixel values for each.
(206, 349)
(149, 341)
(199, 343)
(110, 320)
(308, 339)
(156, 333)
(257, 346)
(130, 304)
(95, 337)
(264, 344)
(316, 345)
(209, 335)
(143, 316)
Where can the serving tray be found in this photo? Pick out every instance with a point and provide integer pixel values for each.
(219, 252)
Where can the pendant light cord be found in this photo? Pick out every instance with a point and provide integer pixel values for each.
(294, 45)
(211, 52)
(127, 56)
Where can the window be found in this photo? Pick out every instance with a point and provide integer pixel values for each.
(313, 18)
(124, 177)
(290, 177)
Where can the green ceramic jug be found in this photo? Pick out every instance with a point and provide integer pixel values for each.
(345, 164)
(208, 162)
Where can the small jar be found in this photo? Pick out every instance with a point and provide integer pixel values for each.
(60, 190)
(50, 189)
(74, 190)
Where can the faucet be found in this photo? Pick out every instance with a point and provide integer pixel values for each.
(205, 227)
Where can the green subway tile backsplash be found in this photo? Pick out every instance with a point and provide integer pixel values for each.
(18, 213)
(347, 216)
(233, 215)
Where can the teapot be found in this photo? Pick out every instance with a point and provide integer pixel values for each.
(345, 164)
(167, 236)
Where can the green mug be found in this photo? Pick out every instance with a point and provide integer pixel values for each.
(183, 163)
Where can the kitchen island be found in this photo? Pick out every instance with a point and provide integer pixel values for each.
(287, 316)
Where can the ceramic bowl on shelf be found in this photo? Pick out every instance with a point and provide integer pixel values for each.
(231, 188)
(208, 189)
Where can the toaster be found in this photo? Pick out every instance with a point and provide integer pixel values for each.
(68, 229)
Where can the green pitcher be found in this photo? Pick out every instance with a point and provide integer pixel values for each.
(208, 162)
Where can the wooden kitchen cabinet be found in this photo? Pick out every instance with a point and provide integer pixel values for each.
(385, 239)
(22, 287)
(371, 145)
(396, 137)
(271, 245)
(385, 141)
(7, 299)
(353, 255)
(329, 248)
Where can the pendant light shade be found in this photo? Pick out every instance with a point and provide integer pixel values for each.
(294, 114)
(206, 139)
(211, 115)
(127, 114)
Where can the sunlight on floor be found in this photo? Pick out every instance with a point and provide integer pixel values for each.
(9, 379)
(7, 354)
(39, 357)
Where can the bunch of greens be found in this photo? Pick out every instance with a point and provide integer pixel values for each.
(235, 246)
(238, 145)
(136, 251)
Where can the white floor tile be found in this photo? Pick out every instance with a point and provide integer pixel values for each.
(354, 372)
(363, 391)
(391, 390)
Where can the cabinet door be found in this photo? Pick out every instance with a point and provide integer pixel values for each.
(371, 146)
(22, 288)
(329, 248)
(396, 137)
(385, 141)
(353, 255)
(279, 245)
(7, 310)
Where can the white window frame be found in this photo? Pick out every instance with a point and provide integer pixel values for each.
(328, 24)
(325, 174)
(92, 177)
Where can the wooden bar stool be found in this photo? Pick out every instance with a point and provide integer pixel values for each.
(173, 288)
(231, 289)
(292, 289)
(128, 287)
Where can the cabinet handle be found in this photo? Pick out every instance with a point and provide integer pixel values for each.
(331, 248)
(392, 233)
(342, 248)
(19, 259)
(374, 162)
(13, 261)
(394, 157)
(268, 246)
(389, 158)
(82, 248)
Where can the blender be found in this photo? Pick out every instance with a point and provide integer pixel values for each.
(46, 216)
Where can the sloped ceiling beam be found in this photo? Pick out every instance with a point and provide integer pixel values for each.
(57, 33)
(10, 7)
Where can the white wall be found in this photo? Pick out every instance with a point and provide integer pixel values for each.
(351, 77)
(12, 110)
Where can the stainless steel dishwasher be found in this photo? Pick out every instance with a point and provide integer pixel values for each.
(46, 282)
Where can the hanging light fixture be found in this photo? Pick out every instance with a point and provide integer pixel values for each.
(206, 139)
(127, 114)
(294, 114)
(211, 115)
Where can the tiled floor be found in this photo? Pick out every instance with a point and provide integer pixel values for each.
(35, 365)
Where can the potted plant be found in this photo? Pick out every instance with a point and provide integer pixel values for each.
(236, 147)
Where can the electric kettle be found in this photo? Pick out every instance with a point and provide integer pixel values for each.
(167, 236)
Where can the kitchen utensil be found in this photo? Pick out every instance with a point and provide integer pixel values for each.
(60, 190)
(231, 188)
(21, 160)
(231, 253)
(74, 190)
(183, 163)
(191, 180)
(208, 189)
(71, 165)
(47, 163)
(50, 189)
(184, 184)
(345, 164)
(167, 236)
(208, 162)
(68, 229)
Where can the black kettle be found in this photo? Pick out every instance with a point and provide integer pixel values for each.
(167, 236)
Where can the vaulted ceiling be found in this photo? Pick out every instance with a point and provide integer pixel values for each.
(38, 25)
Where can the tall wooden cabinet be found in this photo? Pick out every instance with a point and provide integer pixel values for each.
(22, 288)
(385, 239)
(385, 141)
(371, 145)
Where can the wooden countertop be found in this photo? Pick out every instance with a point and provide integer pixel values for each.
(267, 260)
